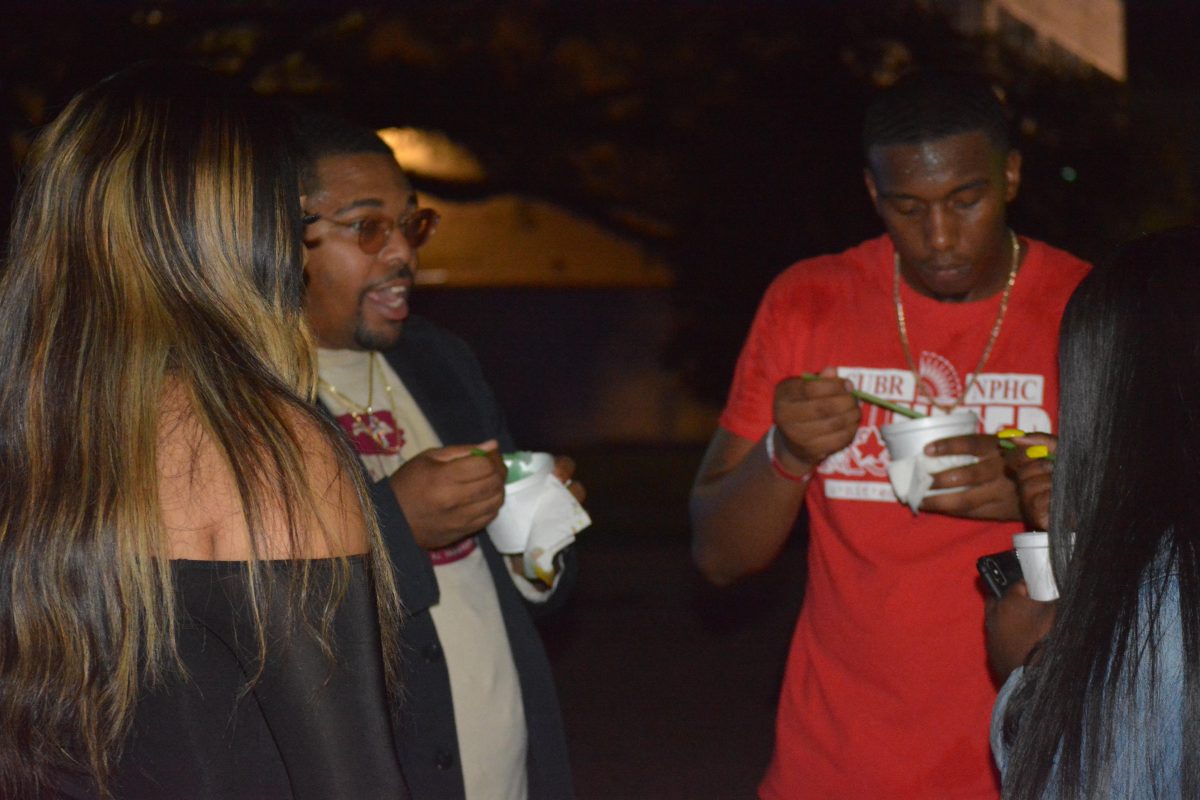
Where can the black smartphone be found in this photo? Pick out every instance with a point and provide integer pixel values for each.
(1000, 571)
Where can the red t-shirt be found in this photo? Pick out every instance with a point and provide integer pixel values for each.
(887, 691)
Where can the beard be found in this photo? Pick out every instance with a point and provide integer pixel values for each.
(369, 339)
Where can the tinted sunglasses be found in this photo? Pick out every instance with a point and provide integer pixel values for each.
(375, 232)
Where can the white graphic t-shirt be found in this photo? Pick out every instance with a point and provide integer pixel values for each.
(488, 711)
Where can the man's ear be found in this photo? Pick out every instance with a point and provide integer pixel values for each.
(872, 189)
(1012, 175)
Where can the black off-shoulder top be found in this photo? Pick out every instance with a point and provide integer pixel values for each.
(309, 728)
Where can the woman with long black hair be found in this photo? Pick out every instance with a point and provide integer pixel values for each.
(1108, 703)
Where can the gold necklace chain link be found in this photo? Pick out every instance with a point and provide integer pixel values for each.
(364, 415)
(991, 342)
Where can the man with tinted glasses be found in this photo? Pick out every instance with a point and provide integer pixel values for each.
(887, 692)
(481, 718)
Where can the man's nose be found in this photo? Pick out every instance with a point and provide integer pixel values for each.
(941, 229)
(397, 248)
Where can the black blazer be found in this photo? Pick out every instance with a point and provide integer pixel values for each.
(447, 383)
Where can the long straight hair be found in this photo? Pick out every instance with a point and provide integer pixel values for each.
(155, 247)
(1128, 458)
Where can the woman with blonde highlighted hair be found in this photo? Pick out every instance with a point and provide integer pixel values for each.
(195, 601)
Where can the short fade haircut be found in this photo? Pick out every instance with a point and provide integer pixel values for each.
(322, 135)
(926, 105)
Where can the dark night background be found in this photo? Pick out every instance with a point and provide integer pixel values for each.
(722, 137)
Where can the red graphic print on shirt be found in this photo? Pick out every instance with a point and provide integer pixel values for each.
(939, 379)
(374, 434)
(1000, 400)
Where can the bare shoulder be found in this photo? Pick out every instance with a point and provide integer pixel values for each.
(337, 502)
(203, 511)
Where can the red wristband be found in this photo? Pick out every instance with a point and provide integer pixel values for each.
(777, 465)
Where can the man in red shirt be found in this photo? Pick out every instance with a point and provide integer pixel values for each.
(887, 692)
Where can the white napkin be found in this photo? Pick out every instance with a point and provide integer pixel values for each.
(912, 477)
(556, 516)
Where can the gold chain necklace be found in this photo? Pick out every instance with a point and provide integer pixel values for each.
(987, 350)
(365, 417)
